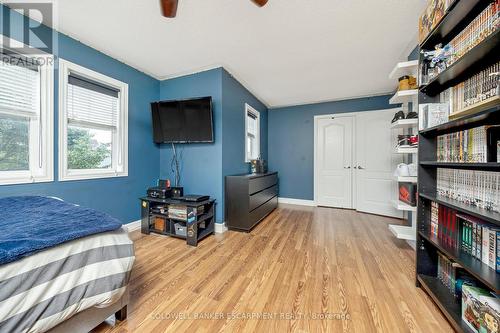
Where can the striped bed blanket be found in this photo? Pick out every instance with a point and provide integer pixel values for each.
(42, 290)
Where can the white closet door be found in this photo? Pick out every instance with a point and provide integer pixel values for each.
(333, 162)
(375, 163)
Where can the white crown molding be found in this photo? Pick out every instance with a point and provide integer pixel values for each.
(279, 106)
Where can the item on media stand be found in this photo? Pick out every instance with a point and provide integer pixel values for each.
(194, 198)
(159, 192)
(164, 183)
(177, 192)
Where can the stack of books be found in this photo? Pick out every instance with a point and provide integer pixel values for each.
(452, 275)
(481, 240)
(470, 235)
(444, 225)
(434, 218)
(177, 212)
(476, 188)
(481, 27)
(469, 146)
(476, 89)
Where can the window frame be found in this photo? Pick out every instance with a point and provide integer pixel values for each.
(250, 110)
(119, 142)
(41, 128)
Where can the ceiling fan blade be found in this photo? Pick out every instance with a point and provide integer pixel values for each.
(260, 3)
(169, 8)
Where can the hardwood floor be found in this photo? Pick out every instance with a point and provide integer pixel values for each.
(299, 263)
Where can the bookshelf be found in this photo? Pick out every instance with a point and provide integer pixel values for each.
(478, 58)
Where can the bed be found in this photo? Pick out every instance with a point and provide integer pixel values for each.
(62, 267)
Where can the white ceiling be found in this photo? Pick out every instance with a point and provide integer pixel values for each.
(288, 52)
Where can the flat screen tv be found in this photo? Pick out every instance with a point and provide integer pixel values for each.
(183, 121)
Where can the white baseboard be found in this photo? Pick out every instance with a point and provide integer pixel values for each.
(133, 226)
(298, 202)
(220, 228)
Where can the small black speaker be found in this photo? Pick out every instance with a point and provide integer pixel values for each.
(177, 192)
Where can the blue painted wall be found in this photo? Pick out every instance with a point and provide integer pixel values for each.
(116, 196)
(291, 141)
(234, 98)
(201, 164)
(204, 166)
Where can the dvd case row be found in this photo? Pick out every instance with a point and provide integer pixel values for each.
(472, 187)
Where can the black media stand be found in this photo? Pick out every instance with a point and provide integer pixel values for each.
(191, 221)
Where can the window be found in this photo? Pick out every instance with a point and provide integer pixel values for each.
(93, 124)
(252, 133)
(26, 118)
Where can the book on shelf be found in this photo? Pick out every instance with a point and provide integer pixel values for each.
(452, 275)
(468, 146)
(470, 235)
(480, 309)
(481, 88)
(478, 30)
(442, 57)
(472, 187)
(431, 17)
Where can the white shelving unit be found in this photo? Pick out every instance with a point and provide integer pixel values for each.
(406, 150)
(404, 68)
(403, 232)
(400, 205)
(408, 179)
(405, 123)
(404, 97)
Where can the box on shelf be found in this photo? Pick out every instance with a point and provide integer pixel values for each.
(180, 229)
(433, 114)
(432, 15)
(159, 223)
(408, 193)
(480, 309)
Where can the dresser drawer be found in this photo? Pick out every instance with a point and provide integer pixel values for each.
(261, 197)
(261, 183)
(262, 211)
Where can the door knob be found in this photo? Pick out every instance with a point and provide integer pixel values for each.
(347, 167)
(360, 167)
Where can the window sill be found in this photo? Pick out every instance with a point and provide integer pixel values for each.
(89, 176)
(25, 180)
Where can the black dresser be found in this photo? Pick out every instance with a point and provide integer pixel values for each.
(250, 198)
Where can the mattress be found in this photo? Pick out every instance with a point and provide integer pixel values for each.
(40, 291)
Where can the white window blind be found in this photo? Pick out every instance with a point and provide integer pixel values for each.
(90, 103)
(252, 124)
(19, 89)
